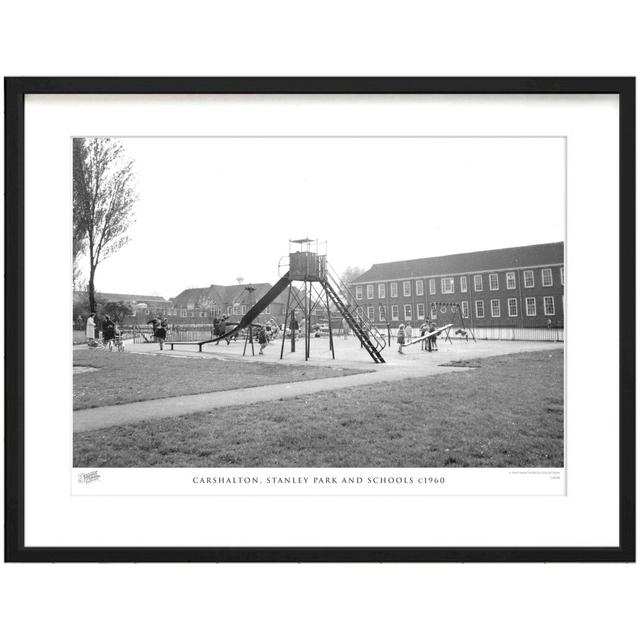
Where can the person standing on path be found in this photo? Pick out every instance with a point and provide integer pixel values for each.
(90, 331)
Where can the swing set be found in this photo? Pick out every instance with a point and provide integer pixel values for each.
(452, 308)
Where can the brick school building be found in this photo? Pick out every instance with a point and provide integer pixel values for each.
(516, 292)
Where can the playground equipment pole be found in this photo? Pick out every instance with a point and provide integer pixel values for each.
(249, 336)
(305, 299)
(307, 324)
(284, 324)
(333, 353)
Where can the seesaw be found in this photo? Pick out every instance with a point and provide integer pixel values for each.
(426, 336)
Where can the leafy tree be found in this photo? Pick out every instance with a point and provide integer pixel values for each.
(103, 197)
(117, 310)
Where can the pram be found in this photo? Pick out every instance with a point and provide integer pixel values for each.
(107, 343)
(117, 342)
(92, 343)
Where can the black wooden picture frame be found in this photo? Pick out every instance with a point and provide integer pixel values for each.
(15, 91)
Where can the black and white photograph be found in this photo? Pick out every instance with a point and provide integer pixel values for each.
(367, 320)
(319, 302)
(320, 320)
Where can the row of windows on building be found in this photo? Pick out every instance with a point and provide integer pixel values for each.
(447, 284)
(493, 309)
(231, 310)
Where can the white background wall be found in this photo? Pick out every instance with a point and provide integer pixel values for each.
(329, 38)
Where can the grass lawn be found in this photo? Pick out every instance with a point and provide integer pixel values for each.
(130, 377)
(508, 412)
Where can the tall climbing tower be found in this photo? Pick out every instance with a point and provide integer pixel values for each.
(315, 287)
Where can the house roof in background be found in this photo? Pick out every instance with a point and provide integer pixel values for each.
(508, 258)
(122, 297)
(129, 297)
(221, 294)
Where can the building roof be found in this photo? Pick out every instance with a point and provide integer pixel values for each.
(220, 294)
(129, 297)
(509, 258)
(123, 297)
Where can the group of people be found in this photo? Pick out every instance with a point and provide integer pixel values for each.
(264, 333)
(405, 333)
(110, 333)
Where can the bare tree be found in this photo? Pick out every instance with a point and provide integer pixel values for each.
(103, 197)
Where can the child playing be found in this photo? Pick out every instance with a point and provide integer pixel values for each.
(433, 339)
(424, 328)
(160, 334)
(117, 341)
(408, 332)
(262, 340)
(400, 338)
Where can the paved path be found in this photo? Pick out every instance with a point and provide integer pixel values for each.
(103, 417)
(415, 364)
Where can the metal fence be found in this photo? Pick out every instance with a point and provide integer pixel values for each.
(533, 334)
(541, 334)
(179, 333)
(144, 333)
(191, 333)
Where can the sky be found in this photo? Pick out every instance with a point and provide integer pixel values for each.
(211, 210)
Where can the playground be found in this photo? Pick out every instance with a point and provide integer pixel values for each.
(300, 397)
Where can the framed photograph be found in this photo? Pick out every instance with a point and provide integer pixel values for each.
(320, 319)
